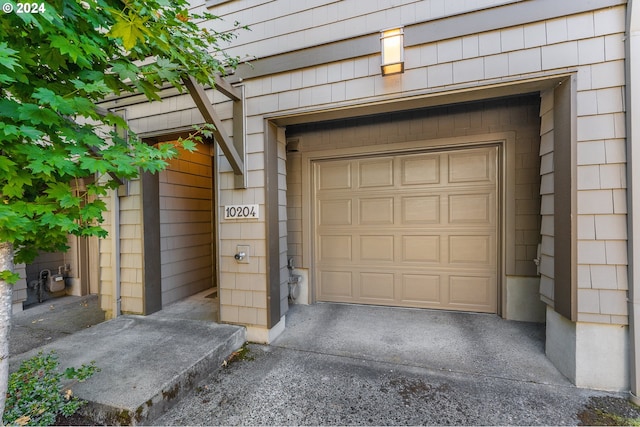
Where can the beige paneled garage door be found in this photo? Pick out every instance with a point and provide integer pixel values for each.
(413, 230)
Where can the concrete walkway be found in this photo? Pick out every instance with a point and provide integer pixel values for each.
(469, 343)
(146, 362)
(53, 319)
(362, 365)
(333, 365)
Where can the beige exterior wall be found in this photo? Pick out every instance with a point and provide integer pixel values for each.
(105, 262)
(294, 206)
(293, 25)
(602, 209)
(546, 194)
(131, 266)
(186, 236)
(186, 230)
(282, 223)
(589, 45)
(243, 287)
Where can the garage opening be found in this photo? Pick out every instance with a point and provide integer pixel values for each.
(416, 230)
(417, 209)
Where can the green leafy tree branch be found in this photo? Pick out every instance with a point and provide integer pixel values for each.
(59, 151)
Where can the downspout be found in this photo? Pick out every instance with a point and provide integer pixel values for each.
(632, 88)
(115, 251)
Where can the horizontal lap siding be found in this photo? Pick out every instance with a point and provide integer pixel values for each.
(186, 225)
(291, 25)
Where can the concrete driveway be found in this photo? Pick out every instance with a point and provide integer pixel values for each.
(362, 365)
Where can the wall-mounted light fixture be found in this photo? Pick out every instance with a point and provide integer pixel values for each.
(392, 46)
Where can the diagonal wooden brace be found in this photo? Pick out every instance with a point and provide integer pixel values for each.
(226, 89)
(206, 109)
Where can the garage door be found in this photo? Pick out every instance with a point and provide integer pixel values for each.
(413, 230)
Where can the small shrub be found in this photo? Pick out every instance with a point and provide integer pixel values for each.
(36, 395)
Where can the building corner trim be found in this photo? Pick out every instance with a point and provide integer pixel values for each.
(632, 46)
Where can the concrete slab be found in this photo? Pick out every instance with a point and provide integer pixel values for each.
(52, 320)
(146, 362)
(334, 364)
(363, 365)
(478, 344)
(279, 386)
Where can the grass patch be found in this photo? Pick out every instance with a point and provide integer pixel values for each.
(610, 411)
(240, 354)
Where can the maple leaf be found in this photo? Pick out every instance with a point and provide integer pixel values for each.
(130, 29)
(8, 57)
(67, 47)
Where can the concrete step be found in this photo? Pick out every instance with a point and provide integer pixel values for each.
(147, 363)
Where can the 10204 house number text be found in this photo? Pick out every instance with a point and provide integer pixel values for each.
(241, 211)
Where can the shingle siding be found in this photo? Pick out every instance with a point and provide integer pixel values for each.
(589, 45)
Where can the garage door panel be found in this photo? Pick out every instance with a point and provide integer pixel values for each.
(378, 211)
(421, 289)
(375, 173)
(474, 250)
(334, 212)
(423, 169)
(335, 248)
(376, 248)
(471, 208)
(336, 284)
(471, 166)
(378, 286)
(420, 209)
(425, 249)
(472, 291)
(415, 230)
(334, 176)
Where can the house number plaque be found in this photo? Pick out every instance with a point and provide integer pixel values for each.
(241, 211)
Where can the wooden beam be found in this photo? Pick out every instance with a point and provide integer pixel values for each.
(231, 92)
(206, 109)
(240, 181)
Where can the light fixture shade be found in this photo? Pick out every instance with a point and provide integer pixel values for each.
(392, 48)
